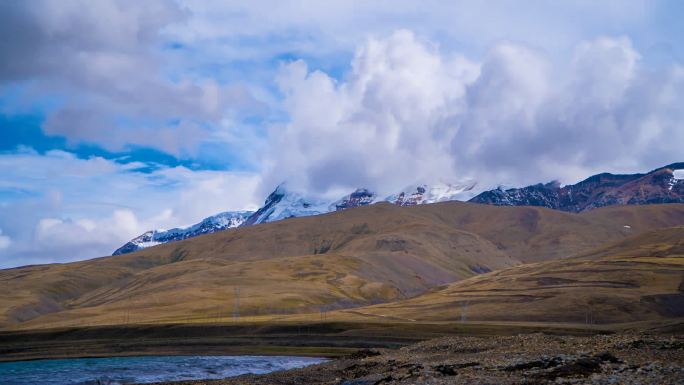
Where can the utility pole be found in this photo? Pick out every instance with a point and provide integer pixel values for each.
(236, 306)
(464, 311)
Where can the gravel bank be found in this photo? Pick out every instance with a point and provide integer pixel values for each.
(522, 359)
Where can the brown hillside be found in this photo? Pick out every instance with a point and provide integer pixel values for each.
(638, 279)
(373, 254)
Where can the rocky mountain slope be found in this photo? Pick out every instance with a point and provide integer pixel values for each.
(663, 185)
(212, 224)
(283, 203)
(303, 266)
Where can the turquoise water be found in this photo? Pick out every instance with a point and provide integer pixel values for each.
(126, 370)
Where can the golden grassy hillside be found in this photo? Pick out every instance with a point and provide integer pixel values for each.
(368, 255)
(638, 279)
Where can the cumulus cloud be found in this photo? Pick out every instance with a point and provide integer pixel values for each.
(5, 241)
(374, 94)
(384, 122)
(407, 111)
(68, 239)
(103, 65)
(57, 207)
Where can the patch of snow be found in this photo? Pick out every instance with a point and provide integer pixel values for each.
(677, 177)
(438, 192)
(283, 204)
(360, 197)
(143, 245)
(218, 222)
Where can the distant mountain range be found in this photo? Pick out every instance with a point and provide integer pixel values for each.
(662, 185)
(292, 270)
(282, 204)
(212, 224)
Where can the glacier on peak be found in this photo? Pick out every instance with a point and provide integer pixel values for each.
(360, 197)
(212, 224)
(283, 203)
(438, 192)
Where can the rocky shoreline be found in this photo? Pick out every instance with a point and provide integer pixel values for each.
(521, 359)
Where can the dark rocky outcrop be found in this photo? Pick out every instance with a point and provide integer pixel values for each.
(661, 185)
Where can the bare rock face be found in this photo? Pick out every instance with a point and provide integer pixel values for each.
(283, 203)
(663, 185)
(212, 224)
(360, 197)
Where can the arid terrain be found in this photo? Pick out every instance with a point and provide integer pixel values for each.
(308, 269)
(470, 293)
(640, 278)
(521, 359)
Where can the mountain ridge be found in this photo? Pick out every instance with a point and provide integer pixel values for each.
(661, 185)
(212, 224)
(282, 204)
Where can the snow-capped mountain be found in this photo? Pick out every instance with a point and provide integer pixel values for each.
(662, 185)
(360, 197)
(438, 192)
(283, 203)
(212, 224)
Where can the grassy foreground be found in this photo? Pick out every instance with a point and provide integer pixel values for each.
(326, 339)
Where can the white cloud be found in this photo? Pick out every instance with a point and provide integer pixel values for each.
(384, 124)
(258, 29)
(445, 90)
(407, 111)
(66, 208)
(84, 236)
(5, 241)
(603, 69)
(104, 64)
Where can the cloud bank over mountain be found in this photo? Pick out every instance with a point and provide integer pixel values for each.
(406, 110)
(159, 113)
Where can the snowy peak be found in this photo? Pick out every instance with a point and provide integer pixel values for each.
(360, 197)
(662, 185)
(139, 242)
(282, 204)
(439, 192)
(212, 224)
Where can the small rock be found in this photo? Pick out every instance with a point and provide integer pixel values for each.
(363, 353)
(447, 370)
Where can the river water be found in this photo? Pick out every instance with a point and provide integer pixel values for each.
(126, 370)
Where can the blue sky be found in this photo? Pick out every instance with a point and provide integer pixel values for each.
(121, 116)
